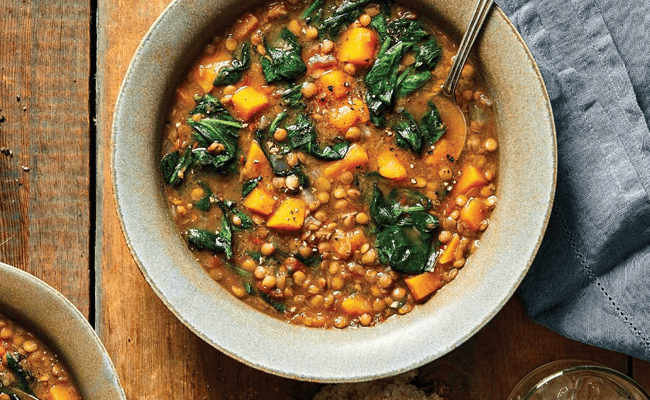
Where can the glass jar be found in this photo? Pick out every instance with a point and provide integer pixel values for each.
(577, 380)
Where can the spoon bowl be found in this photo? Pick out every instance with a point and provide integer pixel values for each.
(453, 141)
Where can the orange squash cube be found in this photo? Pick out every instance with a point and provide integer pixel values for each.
(448, 254)
(256, 163)
(423, 285)
(249, 101)
(344, 118)
(360, 107)
(470, 177)
(355, 157)
(390, 166)
(59, 392)
(473, 213)
(289, 216)
(358, 46)
(336, 82)
(356, 305)
(259, 201)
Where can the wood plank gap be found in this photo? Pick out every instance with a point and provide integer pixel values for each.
(92, 190)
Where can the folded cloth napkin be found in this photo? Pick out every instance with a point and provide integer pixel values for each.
(591, 278)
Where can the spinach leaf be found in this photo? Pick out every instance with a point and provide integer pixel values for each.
(310, 262)
(230, 209)
(314, 13)
(168, 165)
(280, 307)
(276, 121)
(232, 74)
(408, 132)
(284, 62)
(406, 230)
(293, 97)
(239, 271)
(202, 239)
(302, 135)
(379, 24)
(431, 125)
(278, 161)
(208, 105)
(225, 234)
(428, 54)
(204, 202)
(249, 288)
(412, 136)
(221, 241)
(343, 15)
(409, 82)
(174, 166)
(204, 158)
(332, 152)
(409, 31)
(249, 185)
(22, 375)
(221, 128)
(404, 249)
(382, 78)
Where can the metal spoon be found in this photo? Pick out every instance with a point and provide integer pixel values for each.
(445, 101)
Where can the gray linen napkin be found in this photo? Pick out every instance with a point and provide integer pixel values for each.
(591, 278)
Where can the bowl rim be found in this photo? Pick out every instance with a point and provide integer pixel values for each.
(103, 379)
(272, 367)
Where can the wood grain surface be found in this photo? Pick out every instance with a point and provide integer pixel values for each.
(50, 215)
(45, 183)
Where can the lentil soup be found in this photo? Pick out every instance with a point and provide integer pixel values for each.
(313, 171)
(30, 366)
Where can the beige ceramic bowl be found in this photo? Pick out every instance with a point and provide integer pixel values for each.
(52, 318)
(527, 182)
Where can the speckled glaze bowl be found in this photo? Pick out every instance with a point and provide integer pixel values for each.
(42, 310)
(527, 182)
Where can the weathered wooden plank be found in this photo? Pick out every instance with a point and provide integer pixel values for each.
(490, 364)
(44, 101)
(641, 373)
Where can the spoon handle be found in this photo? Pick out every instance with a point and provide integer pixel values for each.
(475, 24)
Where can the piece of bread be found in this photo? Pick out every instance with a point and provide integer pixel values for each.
(395, 388)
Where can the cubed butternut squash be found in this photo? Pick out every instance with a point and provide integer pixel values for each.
(390, 166)
(343, 118)
(358, 46)
(336, 83)
(448, 255)
(260, 201)
(360, 107)
(256, 163)
(473, 213)
(356, 305)
(423, 285)
(206, 71)
(204, 76)
(355, 157)
(249, 101)
(470, 177)
(441, 153)
(61, 392)
(345, 243)
(289, 216)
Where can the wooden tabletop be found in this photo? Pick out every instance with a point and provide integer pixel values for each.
(61, 65)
